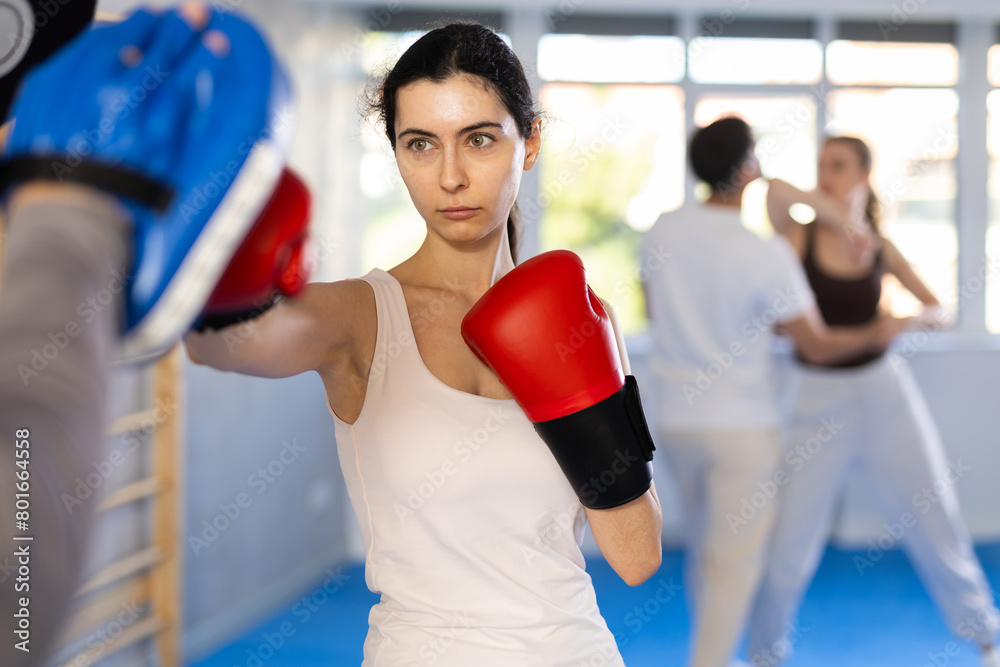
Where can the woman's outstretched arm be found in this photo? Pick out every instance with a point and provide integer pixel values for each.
(312, 331)
(781, 196)
(933, 315)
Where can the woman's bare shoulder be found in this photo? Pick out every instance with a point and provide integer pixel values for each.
(346, 291)
(343, 306)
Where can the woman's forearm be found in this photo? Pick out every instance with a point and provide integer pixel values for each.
(829, 212)
(629, 536)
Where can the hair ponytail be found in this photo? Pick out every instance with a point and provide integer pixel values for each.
(873, 209)
(514, 226)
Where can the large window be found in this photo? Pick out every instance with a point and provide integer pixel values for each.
(896, 95)
(858, 63)
(613, 161)
(993, 66)
(622, 94)
(752, 60)
(613, 157)
(611, 58)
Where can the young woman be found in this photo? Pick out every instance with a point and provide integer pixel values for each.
(883, 424)
(471, 531)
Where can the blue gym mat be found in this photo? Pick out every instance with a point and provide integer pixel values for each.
(883, 618)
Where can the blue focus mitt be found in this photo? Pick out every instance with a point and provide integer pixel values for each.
(191, 141)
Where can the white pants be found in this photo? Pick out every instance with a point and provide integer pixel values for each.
(726, 485)
(873, 417)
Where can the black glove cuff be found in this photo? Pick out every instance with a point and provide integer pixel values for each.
(605, 450)
(217, 321)
(115, 179)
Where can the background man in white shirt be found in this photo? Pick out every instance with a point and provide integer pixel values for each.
(714, 305)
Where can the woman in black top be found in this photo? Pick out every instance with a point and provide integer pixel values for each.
(867, 412)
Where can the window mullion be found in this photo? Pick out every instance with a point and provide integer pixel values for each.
(687, 29)
(972, 167)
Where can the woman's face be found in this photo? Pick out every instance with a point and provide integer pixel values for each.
(839, 169)
(460, 156)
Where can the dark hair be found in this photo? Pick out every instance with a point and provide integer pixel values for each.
(460, 49)
(718, 151)
(873, 210)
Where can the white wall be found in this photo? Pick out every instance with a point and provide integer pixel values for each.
(264, 499)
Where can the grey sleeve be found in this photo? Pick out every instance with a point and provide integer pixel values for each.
(60, 309)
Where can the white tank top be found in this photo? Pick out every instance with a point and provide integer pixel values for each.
(471, 532)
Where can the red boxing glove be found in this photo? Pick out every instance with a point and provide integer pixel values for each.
(546, 335)
(269, 263)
